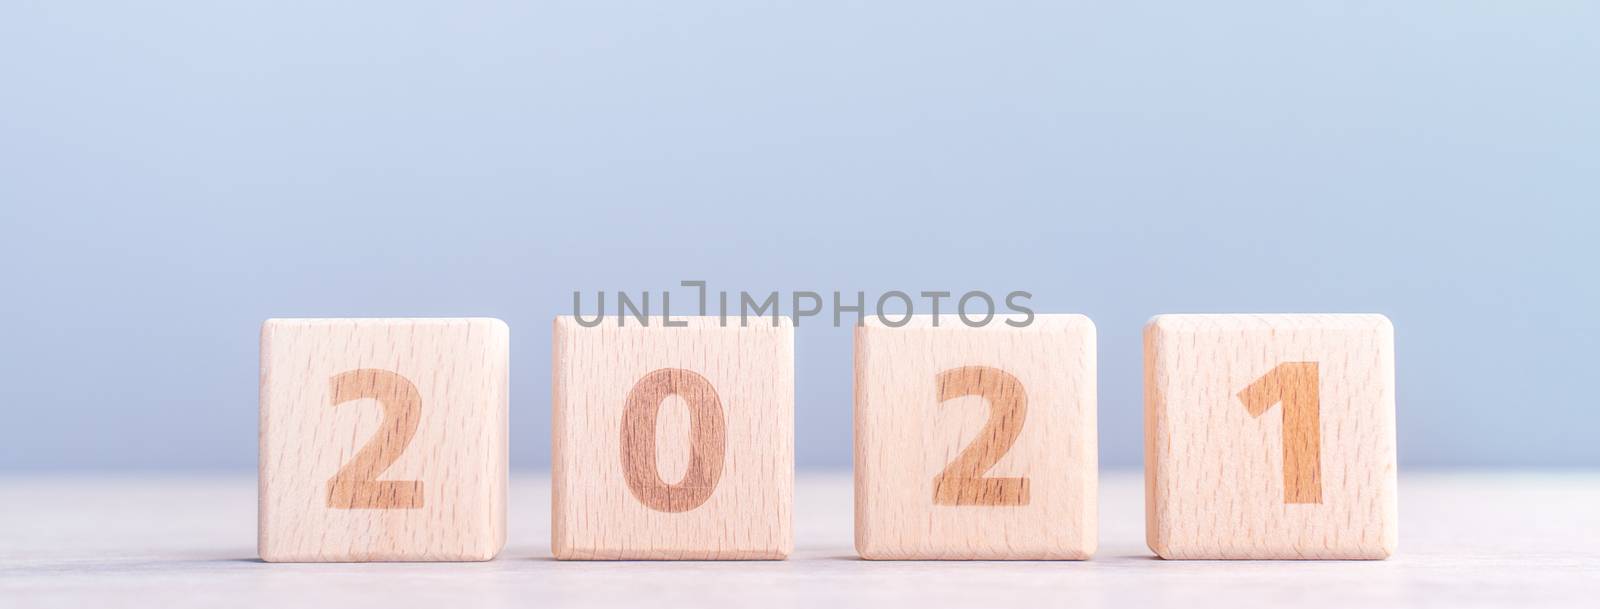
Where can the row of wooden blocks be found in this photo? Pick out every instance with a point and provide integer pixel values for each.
(1267, 436)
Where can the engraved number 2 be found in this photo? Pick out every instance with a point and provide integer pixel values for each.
(963, 481)
(357, 486)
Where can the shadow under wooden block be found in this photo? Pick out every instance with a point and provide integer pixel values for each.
(1270, 437)
(976, 443)
(383, 439)
(672, 443)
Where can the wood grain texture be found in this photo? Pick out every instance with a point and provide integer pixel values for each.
(170, 540)
(383, 439)
(1229, 477)
(976, 443)
(621, 390)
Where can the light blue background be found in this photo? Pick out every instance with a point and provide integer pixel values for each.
(172, 173)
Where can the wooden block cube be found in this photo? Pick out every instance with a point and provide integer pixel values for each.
(383, 439)
(1270, 436)
(673, 442)
(976, 443)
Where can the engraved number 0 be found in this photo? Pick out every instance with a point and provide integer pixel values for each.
(1294, 384)
(963, 481)
(357, 486)
(707, 432)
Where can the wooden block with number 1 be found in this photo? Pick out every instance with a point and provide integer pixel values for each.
(673, 442)
(383, 439)
(976, 443)
(1270, 436)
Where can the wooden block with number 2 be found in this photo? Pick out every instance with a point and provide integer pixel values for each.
(383, 439)
(1270, 436)
(673, 442)
(976, 443)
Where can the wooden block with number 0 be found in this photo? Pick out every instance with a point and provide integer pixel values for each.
(673, 442)
(976, 443)
(1270, 436)
(383, 439)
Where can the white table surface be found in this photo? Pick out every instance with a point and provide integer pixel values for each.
(1466, 540)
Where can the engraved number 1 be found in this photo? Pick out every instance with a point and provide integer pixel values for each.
(1294, 384)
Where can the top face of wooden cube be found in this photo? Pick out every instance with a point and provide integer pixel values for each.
(673, 442)
(383, 439)
(1270, 436)
(976, 443)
